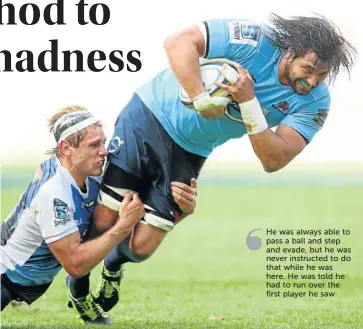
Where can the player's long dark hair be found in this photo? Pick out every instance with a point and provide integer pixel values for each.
(317, 34)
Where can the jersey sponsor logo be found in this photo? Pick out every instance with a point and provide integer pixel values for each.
(320, 117)
(282, 107)
(115, 145)
(88, 205)
(233, 112)
(244, 32)
(61, 221)
(236, 30)
(60, 209)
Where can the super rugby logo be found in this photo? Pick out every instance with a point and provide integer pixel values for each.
(60, 212)
(250, 31)
(244, 32)
(60, 209)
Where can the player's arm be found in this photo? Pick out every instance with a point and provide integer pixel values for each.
(274, 149)
(211, 39)
(184, 50)
(79, 258)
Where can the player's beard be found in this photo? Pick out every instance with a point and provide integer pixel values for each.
(293, 82)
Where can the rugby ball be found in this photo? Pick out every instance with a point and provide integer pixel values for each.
(210, 74)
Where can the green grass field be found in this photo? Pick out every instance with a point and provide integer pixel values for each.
(204, 276)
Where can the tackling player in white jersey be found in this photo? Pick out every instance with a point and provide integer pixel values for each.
(44, 231)
(46, 228)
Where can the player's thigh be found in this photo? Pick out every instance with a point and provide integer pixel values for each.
(126, 162)
(103, 219)
(177, 165)
(161, 211)
(136, 153)
(144, 158)
(115, 184)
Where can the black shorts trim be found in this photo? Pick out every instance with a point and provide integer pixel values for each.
(115, 176)
(111, 193)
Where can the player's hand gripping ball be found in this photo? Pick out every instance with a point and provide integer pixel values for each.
(210, 75)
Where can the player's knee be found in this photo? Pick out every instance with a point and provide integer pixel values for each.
(146, 239)
(141, 256)
(104, 218)
(126, 251)
(140, 251)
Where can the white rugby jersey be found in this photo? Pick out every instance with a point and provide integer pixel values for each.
(52, 208)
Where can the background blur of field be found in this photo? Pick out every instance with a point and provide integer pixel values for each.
(204, 272)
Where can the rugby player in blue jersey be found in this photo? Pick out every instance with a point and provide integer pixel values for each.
(284, 69)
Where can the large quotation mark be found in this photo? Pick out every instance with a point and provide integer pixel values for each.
(253, 242)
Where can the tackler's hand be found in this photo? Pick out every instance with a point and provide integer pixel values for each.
(185, 196)
(131, 211)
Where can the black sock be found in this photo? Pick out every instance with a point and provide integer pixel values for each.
(79, 287)
(115, 260)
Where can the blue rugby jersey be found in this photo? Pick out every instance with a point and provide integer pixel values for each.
(240, 41)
